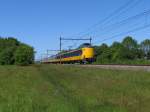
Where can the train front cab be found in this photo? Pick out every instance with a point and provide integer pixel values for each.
(87, 55)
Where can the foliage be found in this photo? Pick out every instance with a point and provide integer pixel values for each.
(145, 46)
(8, 47)
(129, 43)
(6, 57)
(24, 55)
(148, 55)
(126, 52)
(99, 49)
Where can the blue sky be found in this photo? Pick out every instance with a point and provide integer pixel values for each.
(40, 23)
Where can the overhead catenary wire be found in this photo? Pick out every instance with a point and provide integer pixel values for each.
(111, 15)
(125, 21)
(107, 20)
(144, 14)
(108, 17)
(130, 31)
(124, 8)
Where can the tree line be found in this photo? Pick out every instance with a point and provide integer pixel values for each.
(13, 52)
(129, 51)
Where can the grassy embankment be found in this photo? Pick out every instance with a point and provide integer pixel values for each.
(54, 88)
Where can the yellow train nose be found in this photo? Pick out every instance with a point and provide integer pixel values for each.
(87, 53)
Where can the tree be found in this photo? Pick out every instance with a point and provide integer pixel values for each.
(145, 46)
(127, 51)
(100, 49)
(130, 43)
(105, 56)
(7, 49)
(8, 42)
(117, 51)
(6, 57)
(9, 55)
(24, 55)
(148, 55)
(2, 44)
(132, 49)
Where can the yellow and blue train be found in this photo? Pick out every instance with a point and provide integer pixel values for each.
(84, 54)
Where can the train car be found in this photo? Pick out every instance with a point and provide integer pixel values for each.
(84, 54)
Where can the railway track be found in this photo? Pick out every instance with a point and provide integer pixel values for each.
(120, 67)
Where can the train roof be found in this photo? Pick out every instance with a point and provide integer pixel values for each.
(85, 45)
(79, 48)
(70, 51)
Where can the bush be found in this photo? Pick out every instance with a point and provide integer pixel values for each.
(6, 57)
(13, 51)
(126, 52)
(24, 55)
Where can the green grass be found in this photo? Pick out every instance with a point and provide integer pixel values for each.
(55, 88)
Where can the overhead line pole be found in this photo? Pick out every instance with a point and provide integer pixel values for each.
(60, 48)
(91, 40)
